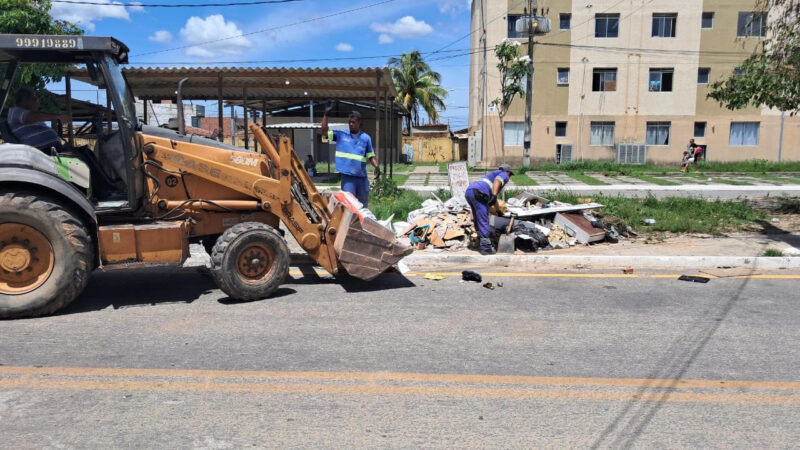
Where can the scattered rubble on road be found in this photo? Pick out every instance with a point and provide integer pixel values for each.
(534, 222)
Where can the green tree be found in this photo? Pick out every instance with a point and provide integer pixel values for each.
(513, 70)
(771, 75)
(417, 86)
(33, 17)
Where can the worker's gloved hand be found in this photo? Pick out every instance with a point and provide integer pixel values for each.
(328, 106)
(492, 200)
(377, 172)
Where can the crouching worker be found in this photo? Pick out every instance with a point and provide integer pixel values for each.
(481, 195)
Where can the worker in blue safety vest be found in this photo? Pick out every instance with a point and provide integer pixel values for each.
(353, 150)
(481, 195)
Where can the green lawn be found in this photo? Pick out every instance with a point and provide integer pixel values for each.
(676, 215)
(655, 180)
(585, 178)
(520, 179)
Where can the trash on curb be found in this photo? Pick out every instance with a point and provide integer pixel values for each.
(694, 279)
(488, 285)
(526, 222)
(650, 221)
(775, 220)
(628, 270)
(433, 276)
(471, 275)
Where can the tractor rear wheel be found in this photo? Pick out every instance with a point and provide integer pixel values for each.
(250, 261)
(46, 255)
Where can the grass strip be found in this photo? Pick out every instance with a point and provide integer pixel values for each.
(676, 214)
(586, 179)
(655, 180)
(520, 179)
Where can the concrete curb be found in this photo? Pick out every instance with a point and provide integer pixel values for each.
(444, 261)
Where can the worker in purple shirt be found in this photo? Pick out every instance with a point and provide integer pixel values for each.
(25, 121)
(481, 195)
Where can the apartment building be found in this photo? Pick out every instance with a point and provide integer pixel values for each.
(613, 72)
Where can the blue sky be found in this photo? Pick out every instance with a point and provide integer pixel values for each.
(175, 36)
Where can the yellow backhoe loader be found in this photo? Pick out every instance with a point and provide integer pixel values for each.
(143, 194)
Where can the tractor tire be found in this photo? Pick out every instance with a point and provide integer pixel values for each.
(250, 261)
(46, 255)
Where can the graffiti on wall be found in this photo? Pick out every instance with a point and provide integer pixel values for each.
(430, 149)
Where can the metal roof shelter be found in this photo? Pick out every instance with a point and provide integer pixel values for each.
(265, 88)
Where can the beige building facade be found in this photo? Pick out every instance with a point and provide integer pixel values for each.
(614, 72)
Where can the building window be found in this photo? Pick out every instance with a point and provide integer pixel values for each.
(565, 21)
(702, 75)
(606, 25)
(513, 133)
(561, 129)
(601, 134)
(752, 24)
(658, 133)
(563, 76)
(744, 134)
(661, 80)
(664, 25)
(708, 21)
(604, 80)
(699, 129)
(512, 26)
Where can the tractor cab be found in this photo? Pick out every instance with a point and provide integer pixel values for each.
(101, 156)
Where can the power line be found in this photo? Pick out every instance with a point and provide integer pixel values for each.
(287, 61)
(167, 5)
(279, 27)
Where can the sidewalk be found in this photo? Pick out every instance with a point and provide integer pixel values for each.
(740, 250)
(708, 185)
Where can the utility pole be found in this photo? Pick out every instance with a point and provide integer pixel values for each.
(483, 83)
(526, 148)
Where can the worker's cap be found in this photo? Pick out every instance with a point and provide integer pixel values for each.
(355, 115)
(506, 168)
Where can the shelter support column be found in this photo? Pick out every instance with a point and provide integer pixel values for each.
(378, 114)
(386, 147)
(220, 126)
(244, 107)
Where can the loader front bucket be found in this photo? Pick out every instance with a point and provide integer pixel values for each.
(365, 248)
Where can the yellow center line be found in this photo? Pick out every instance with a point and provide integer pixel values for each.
(399, 384)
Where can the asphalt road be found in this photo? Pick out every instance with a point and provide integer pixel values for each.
(154, 359)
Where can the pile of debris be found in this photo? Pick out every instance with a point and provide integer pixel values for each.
(440, 225)
(526, 222)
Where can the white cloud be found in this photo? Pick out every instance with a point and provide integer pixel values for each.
(212, 28)
(454, 6)
(161, 36)
(385, 39)
(84, 16)
(404, 27)
(344, 47)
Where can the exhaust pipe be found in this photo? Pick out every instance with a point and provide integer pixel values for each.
(181, 119)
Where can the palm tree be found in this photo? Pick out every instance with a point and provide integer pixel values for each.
(417, 86)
